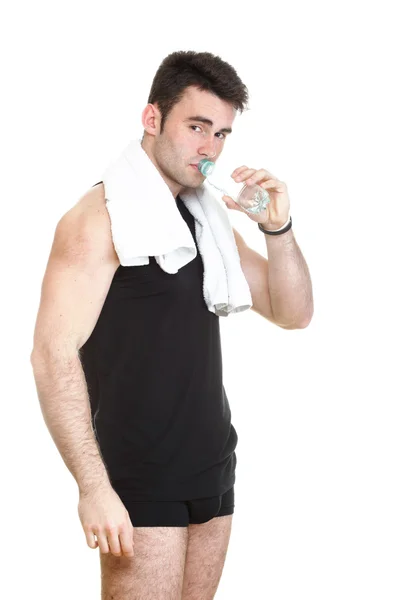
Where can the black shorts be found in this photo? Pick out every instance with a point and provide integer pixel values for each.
(178, 513)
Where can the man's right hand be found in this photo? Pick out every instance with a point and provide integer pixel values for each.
(103, 515)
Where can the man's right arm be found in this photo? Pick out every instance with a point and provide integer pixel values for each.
(78, 276)
(79, 272)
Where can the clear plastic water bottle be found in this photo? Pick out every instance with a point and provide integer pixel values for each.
(252, 198)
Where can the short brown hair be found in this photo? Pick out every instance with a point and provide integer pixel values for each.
(203, 70)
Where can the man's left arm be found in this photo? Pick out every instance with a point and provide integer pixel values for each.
(281, 286)
(289, 281)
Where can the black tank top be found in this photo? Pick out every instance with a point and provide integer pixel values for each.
(153, 368)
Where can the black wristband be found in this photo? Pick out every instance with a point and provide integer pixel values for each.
(284, 230)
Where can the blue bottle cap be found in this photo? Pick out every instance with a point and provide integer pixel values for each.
(206, 167)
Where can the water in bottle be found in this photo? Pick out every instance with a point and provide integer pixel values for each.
(252, 198)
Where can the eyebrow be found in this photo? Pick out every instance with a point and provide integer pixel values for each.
(208, 122)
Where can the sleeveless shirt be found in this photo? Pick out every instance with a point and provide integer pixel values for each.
(153, 368)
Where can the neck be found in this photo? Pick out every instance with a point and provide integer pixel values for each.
(174, 187)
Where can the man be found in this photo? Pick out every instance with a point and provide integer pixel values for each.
(127, 360)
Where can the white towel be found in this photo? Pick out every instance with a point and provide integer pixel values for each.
(145, 221)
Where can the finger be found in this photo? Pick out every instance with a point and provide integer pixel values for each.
(113, 540)
(244, 174)
(266, 174)
(230, 202)
(90, 539)
(238, 170)
(126, 541)
(257, 176)
(280, 186)
(102, 541)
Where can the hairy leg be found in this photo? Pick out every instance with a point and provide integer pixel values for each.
(205, 558)
(155, 572)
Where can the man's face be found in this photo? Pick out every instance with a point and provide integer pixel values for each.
(186, 140)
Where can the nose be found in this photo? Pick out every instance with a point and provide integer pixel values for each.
(208, 149)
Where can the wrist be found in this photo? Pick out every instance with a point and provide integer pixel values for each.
(94, 487)
(274, 226)
(277, 226)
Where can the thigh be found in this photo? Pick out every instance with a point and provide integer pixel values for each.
(207, 547)
(154, 572)
(205, 558)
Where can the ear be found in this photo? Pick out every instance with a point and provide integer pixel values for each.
(151, 119)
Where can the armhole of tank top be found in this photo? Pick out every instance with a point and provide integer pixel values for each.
(119, 266)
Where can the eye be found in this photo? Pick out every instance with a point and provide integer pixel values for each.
(219, 133)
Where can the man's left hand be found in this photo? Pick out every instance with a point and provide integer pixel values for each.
(276, 213)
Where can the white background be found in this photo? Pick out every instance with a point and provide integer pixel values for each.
(316, 410)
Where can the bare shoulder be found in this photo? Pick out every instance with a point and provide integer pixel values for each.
(84, 231)
(78, 275)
